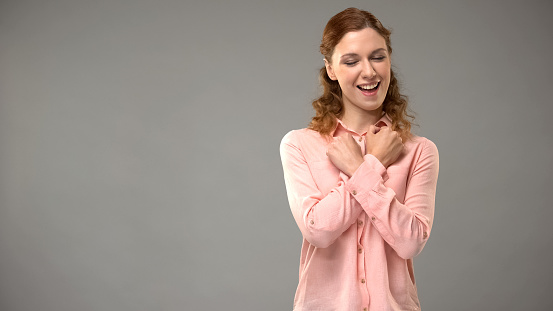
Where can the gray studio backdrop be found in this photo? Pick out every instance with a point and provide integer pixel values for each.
(139, 163)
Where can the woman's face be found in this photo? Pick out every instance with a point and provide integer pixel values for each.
(361, 64)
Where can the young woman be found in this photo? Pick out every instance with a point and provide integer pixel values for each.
(361, 187)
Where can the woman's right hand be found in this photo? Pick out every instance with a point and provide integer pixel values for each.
(383, 143)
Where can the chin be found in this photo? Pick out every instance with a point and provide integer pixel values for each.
(371, 106)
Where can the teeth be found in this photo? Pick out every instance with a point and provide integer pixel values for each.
(368, 87)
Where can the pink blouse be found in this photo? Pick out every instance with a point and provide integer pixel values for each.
(360, 234)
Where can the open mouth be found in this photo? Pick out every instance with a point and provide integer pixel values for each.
(369, 88)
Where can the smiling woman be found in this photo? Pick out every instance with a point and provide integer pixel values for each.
(361, 65)
(361, 187)
(352, 25)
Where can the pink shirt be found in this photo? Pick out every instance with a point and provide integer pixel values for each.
(360, 234)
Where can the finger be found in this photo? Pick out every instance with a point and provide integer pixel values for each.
(383, 129)
(373, 129)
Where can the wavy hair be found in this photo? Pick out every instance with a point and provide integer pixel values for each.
(329, 106)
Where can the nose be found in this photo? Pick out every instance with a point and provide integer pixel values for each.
(368, 70)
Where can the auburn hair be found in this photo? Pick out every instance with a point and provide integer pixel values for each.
(329, 106)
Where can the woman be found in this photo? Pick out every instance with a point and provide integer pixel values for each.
(361, 187)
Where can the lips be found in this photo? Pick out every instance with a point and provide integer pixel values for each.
(369, 89)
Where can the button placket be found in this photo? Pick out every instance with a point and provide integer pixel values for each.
(361, 221)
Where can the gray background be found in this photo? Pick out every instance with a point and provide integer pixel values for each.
(139, 165)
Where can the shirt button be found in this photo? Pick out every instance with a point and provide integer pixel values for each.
(360, 250)
(373, 218)
(360, 222)
(363, 281)
(354, 192)
(361, 139)
(311, 222)
(424, 235)
(364, 309)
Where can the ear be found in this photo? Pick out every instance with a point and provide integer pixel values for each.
(330, 71)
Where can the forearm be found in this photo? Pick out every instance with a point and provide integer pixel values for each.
(322, 215)
(403, 225)
(323, 220)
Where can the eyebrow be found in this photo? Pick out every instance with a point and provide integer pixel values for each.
(355, 54)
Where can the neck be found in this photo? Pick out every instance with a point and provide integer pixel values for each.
(360, 121)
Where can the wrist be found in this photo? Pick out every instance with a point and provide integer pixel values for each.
(356, 163)
(381, 159)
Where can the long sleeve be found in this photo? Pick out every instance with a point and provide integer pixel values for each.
(321, 218)
(404, 226)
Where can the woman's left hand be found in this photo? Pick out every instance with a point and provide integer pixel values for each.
(345, 154)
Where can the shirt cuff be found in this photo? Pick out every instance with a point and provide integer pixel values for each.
(366, 177)
(376, 165)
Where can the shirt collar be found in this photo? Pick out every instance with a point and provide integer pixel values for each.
(383, 121)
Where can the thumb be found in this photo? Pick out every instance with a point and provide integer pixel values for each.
(373, 130)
